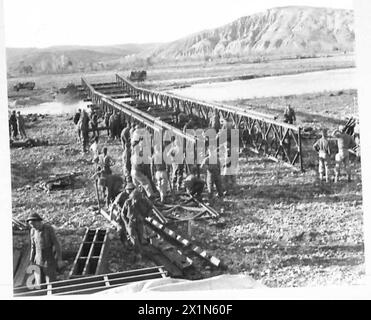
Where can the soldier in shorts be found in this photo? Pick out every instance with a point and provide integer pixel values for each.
(345, 142)
(323, 148)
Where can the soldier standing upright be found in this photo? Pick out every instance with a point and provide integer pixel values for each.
(76, 119)
(46, 252)
(83, 125)
(345, 142)
(94, 124)
(213, 174)
(323, 148)
(13, 125)
(21, 125)
(107, 162)
(289, 115)
(160, 173)
(107, 116)
(133, 213)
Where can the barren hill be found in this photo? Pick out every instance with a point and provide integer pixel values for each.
(279, 30)
(70, 58)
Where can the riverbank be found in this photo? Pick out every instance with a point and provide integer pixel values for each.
(175, 76)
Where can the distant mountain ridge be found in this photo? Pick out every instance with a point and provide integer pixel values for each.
(284, 30)
(278, 30)
(60, 59)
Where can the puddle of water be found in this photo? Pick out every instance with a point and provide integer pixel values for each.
(309, 82)
(52, 108)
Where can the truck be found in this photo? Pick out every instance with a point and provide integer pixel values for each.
(138, 75)
(24, 85)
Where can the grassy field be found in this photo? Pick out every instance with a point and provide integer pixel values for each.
(283, 228)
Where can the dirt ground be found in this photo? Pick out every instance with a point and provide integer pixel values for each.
(283, 227)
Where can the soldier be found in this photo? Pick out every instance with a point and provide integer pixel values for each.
(189, 125)
(181, 120)
(125, 136)
(132, 216)
(13, 125)
(107, 162)
(107, 116)
(95, 150)
(177, 166)
(112, 184)
(323, 148)
(138, 174)
(215, 121)
(345, 142)
(114, 123)
(194, 185)
(76, 119)
(94, 124)
(289, 115)
(213, 175)
(126, 163)
(46, 252)
(21, 125)
(120, 199)
(159, 171)
(83, 125)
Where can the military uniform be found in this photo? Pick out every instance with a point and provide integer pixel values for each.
(133, 213)
(107, 116)
(323, 148)
(213, 177)
(21, 126)
(84, 129)
(13, 125)
(42, 254)
(194, 186)
(177, 168)
(126, 163)
(289, 115)
(113, 184)
(94, 125)
(139, 176)
(161, 176)
(345, 142)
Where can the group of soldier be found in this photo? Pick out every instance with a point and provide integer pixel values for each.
(17, 125)
(345, 142)
(85, 123)
(132, 196)
(144, 183)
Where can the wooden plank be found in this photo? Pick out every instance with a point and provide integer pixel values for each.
(20, 275)
(16, 260)
(89, 260)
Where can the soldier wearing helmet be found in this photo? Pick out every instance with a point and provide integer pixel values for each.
(135, 210)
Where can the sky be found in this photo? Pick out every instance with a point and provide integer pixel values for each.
(43, 23)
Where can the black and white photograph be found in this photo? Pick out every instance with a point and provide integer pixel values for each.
(158, 147)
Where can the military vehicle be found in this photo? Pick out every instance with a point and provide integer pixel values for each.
(138, 75)
(24, 85)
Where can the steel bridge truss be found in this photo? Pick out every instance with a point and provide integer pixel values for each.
(277, 140)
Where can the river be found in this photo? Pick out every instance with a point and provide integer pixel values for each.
(309, 82)
(55, 107)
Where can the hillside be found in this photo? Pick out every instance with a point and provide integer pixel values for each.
(303, 31)
(70, 58)
(284, 30)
